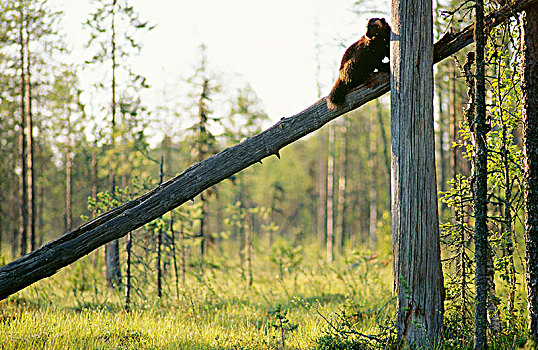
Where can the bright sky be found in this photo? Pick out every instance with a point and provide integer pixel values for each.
(269, 44)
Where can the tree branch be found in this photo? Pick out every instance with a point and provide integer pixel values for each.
(116, 223)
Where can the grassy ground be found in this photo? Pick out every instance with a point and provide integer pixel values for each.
(294, 301)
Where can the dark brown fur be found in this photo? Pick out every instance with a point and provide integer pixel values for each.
(360, 60)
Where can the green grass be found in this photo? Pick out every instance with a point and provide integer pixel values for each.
(316, 302)
(75, 310)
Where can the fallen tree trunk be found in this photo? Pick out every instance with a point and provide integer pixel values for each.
(116, 223)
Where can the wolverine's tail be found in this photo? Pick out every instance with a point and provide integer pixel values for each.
(337, 96)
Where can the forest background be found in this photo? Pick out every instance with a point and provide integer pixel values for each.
(252, 260)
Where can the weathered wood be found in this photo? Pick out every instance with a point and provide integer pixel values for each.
(418, 277)
(116, 223)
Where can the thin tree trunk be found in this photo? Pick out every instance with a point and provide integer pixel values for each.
(415, 221)
(113, 272)
(507, 229)
(95, 186)
(453, 117)
(113, 58)
(174, 251)
(459, 211)
(442, 160)
(182, 252)
(480, 185)
(342, 176)
(386, 145)
(68, 179)
(321, 220)
(30, 146)
(330, 196)
(202, 232)
(113, 248)
(128, 247)
(23, 156)
(372, 151)
(529, 91)
(248, 253)
(241, 226)
(160, 240)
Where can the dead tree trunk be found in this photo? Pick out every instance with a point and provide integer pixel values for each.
(418, 277)
(116, 223)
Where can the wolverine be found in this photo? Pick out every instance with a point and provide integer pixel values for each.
(360, 60)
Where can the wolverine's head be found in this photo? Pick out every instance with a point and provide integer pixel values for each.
(377, 26)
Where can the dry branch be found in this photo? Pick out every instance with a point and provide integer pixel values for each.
(116, 223)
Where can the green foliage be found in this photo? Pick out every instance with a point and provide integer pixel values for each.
(282, 324)
(285, 257)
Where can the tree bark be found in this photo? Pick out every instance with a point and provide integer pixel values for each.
(529, 91)
(418, 276)
(30, 145)
(330, 196)
(23, 179)
(68, 179)
(160, 240)
(372, 152)
(480, 129)
(322, 189)
(112, 252)
(116, 223)
(342, 179)
(453, 118)
(384, 142)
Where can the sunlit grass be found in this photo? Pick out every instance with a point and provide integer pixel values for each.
(219, 310)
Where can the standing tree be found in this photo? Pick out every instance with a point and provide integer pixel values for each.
(418, 277)
(29, 39)
(330, 194)
(203, 141)
(529, 90)
(23, 176)
(113, 26)
(480, 128)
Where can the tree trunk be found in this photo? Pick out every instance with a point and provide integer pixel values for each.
(30, 147)
(248, 242)
(372, 152)
(23, 156)
(385, 143)
(203, 228)
(330, 196)
(342, 176)
(453, 118)
(418, 277)
(174, 252)
(128, 247)
(322, 188)
(442, 160)
(160, 240)
(116, 223)
(112, 251)
(529, 91)
(480, 129)
(68, 179)
(95, 186)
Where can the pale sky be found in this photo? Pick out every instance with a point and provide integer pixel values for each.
(269, 44)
